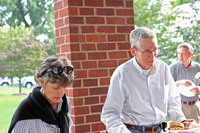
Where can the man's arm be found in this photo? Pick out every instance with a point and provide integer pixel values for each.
(113, 107)
(174, 101)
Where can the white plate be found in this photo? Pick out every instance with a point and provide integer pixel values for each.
(186, 91)
(195, 130)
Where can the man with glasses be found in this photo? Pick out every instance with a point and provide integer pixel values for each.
(186, 74)
(141, 94)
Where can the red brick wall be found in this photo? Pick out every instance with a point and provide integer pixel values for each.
(94, 35)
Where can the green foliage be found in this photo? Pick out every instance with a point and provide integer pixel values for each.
(21, 54)
(163, 22)
(151, 16)
(191, 33)
(10, 37)
(30, 13)
(180, 2)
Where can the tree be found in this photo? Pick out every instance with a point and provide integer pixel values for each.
(163, 22)
(153, 16)
(191, 32)
(30, 13)
(23, 54)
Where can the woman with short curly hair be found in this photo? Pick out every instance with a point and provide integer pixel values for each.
(47, 109)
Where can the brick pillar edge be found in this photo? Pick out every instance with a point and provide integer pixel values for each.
(94, 36)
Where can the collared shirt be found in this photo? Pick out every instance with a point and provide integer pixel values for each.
(142, 100)
(39, 126)
(143, 72)
(179, 72)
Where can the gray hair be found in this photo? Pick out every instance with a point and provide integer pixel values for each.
(62, 79)
(141, 33)
(187, 46)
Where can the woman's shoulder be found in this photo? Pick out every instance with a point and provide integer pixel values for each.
(34, 125)
(22, 126)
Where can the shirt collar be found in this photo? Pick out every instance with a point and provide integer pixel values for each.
(141, 71)
(184, 66)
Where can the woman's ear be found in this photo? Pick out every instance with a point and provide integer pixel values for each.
(41, 80)
(133, 51)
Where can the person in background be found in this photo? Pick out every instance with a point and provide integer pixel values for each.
(186, 73)
(141, 94)
(47, 109)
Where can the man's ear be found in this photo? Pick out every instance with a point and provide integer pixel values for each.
(41, 80)
(133, 51)
(191, 54)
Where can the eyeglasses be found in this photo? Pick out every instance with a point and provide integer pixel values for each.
(147, 52)
(59, 70)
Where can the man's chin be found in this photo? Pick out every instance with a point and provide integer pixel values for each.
(149, 66)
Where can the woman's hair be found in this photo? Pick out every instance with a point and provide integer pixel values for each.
(63, 79)
(141, 33)
(187, 46)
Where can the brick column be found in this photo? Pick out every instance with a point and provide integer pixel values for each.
(94, 35)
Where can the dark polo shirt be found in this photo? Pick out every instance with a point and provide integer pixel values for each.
(179, 72)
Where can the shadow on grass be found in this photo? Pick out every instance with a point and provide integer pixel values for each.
(20, 94)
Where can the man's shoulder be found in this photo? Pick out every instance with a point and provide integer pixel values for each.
(195, 63)
(160, 62)
(126, 66)
(175, 64)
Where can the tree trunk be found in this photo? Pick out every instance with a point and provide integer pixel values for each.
(20, 85)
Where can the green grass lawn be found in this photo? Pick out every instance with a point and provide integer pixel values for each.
(9, 101)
